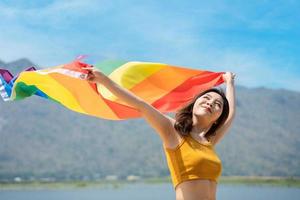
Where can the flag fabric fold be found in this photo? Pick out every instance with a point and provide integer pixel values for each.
(165, 87)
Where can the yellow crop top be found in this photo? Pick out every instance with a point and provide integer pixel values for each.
(193, 160)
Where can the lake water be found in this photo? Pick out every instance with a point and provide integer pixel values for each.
(150, 192)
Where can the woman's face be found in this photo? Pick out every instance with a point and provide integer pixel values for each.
(209, 105)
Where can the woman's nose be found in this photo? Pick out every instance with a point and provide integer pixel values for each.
(209, 104)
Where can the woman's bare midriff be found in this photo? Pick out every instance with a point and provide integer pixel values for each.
(198, 189)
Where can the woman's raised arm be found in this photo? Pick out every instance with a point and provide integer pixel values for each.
(163, 124)
(230, 95)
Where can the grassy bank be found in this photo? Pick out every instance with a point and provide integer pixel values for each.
(235, 180)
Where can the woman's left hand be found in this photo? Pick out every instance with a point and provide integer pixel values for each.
(228, 77)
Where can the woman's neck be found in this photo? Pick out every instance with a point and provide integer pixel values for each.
(200, 126)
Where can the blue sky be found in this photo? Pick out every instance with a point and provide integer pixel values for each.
(258, 40)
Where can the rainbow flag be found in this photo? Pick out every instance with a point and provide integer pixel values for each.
(164, 86)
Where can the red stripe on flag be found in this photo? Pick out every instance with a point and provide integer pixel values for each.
(187, 90)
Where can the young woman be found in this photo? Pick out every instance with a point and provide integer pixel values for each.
(189, 139)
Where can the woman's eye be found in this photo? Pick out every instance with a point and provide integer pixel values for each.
(217, 104)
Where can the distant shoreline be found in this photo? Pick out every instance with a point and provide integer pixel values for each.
(262, 180)
(235, 180)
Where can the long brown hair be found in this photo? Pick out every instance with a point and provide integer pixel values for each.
(184, 116)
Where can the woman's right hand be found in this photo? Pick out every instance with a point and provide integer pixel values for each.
(93, 75)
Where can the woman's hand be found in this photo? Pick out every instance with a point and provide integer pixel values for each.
(228, 77)
(93, 75)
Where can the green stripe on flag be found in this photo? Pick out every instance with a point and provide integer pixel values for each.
(108, 66)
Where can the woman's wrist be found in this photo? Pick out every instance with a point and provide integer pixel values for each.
(99, 76)
(231, 81)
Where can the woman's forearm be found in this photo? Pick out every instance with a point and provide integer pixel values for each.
(120, 92)
(230, 95)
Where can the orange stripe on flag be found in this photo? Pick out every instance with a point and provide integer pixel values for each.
(161, 83)
(91, 102)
